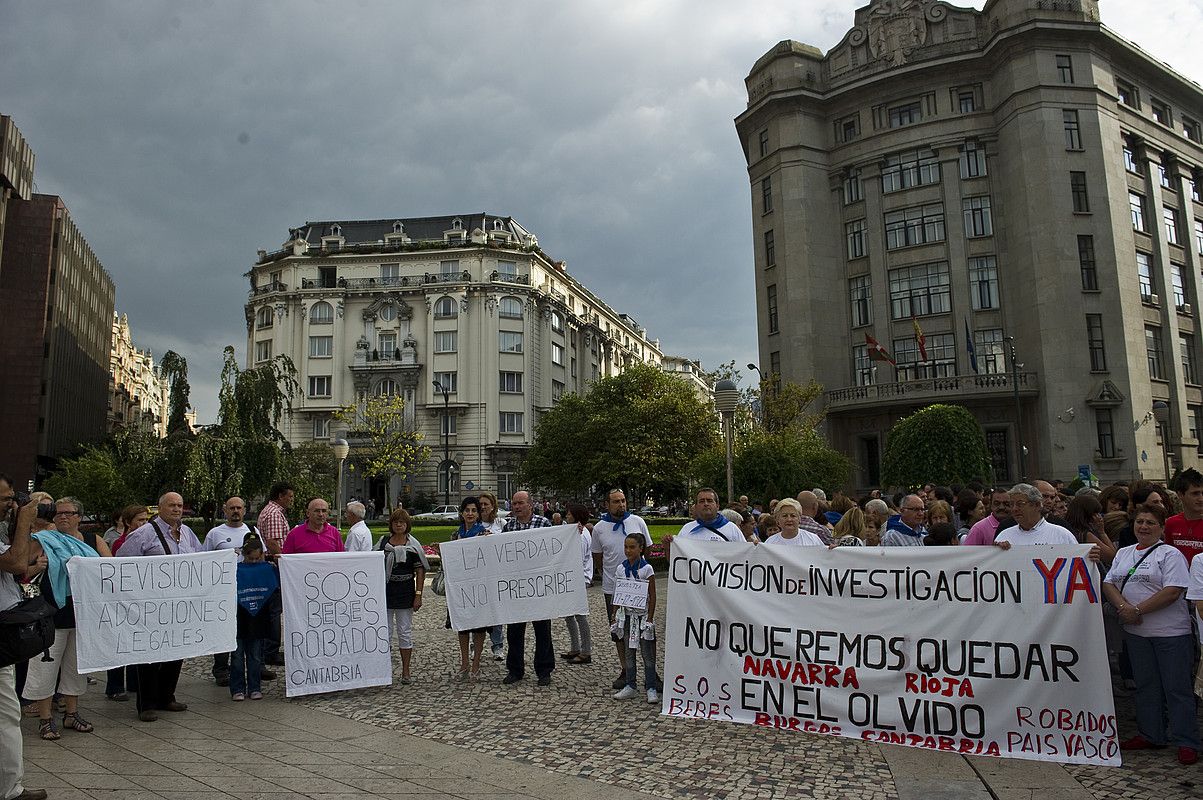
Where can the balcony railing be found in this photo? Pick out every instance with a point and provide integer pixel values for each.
(952, 387)
(270, 288)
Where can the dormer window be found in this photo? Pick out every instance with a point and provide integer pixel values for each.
(497, 226)
(336, 230)
(457, 224)
(398, 227)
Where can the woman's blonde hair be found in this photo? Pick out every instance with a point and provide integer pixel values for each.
(492, 499)
(851, 524)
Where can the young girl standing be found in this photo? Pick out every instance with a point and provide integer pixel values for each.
(404, 574)
(636, 626)
(258, 591)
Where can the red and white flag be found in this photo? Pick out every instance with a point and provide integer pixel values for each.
(876, 351)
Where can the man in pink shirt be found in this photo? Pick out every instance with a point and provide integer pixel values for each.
(316, 535)
(984, 531)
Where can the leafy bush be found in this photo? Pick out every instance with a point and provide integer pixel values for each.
(941, 444)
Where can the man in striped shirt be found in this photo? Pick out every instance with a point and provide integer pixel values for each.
(273, 527)
(523, 517)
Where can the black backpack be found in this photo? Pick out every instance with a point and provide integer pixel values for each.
(27, 629)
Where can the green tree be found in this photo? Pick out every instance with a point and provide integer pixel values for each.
(942, 444)
(312, 469)
(390, 448)
(639, 431)
(174, 368)
(95, 478)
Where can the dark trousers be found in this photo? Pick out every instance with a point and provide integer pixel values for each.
(121, 679)
(156, 684)
(271, 643)
(221, 663)
(545, 656)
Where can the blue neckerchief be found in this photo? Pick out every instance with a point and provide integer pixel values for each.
(256, 583)
(712, 525)
(475, 530)
(59, 547)
(619, 524)
(633, 569)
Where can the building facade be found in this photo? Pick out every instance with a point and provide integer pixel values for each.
(55, 337)
(1008, 202)
(374, 307)
(16, 170)
(138, 394)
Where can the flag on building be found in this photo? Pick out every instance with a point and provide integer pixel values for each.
(876, 351)
(921, 339)
(970, 348)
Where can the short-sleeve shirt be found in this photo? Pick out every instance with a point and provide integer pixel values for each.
(644, 573)
(10, 592)
(273, 523)
(1164, 566)
(399, 587)
(302, 540)
(1044, 532)
(586, 554)
(728, 532)
(223, 537)
(359, 538)
(983, 531)
(146, 541)
(610, 541)
(1195, 590)
(803, 539)
(1185, 534)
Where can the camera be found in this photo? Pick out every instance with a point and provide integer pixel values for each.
(46, 512)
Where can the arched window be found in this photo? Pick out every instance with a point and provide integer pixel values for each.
(264, 317)
(445, 307)
(336, 230)
(387, 388)
(322, 313)
(388, 313)
(457, 224)
(398, 227)
(510, 308)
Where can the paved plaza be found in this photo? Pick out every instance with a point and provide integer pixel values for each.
(444, 738)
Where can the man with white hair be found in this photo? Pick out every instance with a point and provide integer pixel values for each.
(1031, 528)
(359, 538)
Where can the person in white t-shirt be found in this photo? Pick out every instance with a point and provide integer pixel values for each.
(359, 538)
(635, 628)
(789, 515)
(1031, 527)
(709, 525)
(228, 536)
(609, 536)
(1145, 584)
(1194, 595)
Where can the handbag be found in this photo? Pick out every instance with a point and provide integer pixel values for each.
(27, 629)
(438, 584)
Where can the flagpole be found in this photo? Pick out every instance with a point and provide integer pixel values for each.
(1023, 468)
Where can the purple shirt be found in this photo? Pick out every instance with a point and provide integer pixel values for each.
(302, 540)
(145, 541)
(983, 531)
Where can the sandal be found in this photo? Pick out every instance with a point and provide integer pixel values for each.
(571, 654)
(48, 730)
(77, 723)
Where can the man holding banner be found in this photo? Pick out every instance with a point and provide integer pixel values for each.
(523, 517)
(709, 525)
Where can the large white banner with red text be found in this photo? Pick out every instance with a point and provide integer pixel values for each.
(964, 649)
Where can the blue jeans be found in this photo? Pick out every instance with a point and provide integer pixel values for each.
(246, 666)
(651, 679)
(1162, 667)
(495, 636)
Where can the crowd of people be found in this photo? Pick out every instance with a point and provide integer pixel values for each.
(1143, 539)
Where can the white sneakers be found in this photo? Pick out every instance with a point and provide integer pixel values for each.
(626, 693)
(653, 697)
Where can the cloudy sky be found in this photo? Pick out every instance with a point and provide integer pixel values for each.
(185, 136)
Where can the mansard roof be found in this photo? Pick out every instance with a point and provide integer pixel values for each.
(418, 229)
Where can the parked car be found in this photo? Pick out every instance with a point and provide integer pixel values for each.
(440, 514)
(653, 511)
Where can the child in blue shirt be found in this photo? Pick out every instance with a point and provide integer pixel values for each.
(258, 593)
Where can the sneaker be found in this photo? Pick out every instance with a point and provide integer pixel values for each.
(1139, 742)
(256, 695)
(653, 697)
(238, 697)
(545, 680)
(499, 653)
(626, 693)
(1187, 755)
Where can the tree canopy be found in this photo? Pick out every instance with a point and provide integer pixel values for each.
(942, 444)
(390, 448)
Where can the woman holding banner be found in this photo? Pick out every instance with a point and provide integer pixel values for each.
(469, 526)
(494, 524)
(1145, 584)
(789, 517)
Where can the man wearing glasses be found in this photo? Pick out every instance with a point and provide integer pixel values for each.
(984, 531)
(1031, 528)
(906, 528)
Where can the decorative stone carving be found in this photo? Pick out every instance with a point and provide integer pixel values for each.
(281, 311)
(338, 309)
(363, 344)
(897, 28)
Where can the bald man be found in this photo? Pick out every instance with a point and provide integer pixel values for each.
(165, 534)
(809, 503)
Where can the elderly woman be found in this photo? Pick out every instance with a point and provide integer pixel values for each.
(405, 570)
(52, 549)
(877, 514)
(789, 516)
(1145, 584)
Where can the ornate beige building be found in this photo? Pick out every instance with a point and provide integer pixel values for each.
(138, 394)
(1020, 171)
(391, 306)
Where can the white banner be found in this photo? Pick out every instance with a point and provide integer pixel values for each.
(149, 609)
(971, 650)
(335, 629)
(514, 577)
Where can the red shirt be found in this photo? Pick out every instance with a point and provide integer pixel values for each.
(302, 540)
(1185, 534)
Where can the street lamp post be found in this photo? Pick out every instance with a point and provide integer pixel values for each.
(726, 399)
(1023, 459)
(341, 450)
(443, 390)
(764, 408)
(1161, 413)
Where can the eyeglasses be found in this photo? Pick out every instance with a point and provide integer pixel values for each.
(66, 513)
(913, 508)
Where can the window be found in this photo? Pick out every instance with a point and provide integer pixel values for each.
(387, 343)
(444, 341)
(1199, 236)
(445, 308)
(572, 367)
(766, 193)
(511, 382)
(557, 390)
(1130, 162)
(1094, 342)
(510, 422)
(967, 101)
(321, 346)
(264, 318)
(1065, 68)
(1163, 178)
(915, 225)
(912, 168)
(775, 368)
(507, 270)
(1195, 193)
(1190, 129)
(321, 427)
(449, 269)
(557, 354)
(941, 357)
(322, 313)
(977, 216)
(1077, 187)
(319, 385)
(906, 114)
(771, 306)
(1170, 217)
(1178, 285)
(1189, 375)
(983, 283)
(387, 312)
(770, 249)
(1073, 130)
(855, 232)
(557, 322)
(848, 128)
(919, 290)
(510, 308)
(447, 380)
(390, 272)
(447, 424)
(1144, 271)
(1127, 94)
(1106, 432)
(862, 365)
(263, 351)
(764, 142)
(1086, 262)
(1153, 353)
(973, 160)
(853, 192)
(1136, 203)
(1161, 112)
(388, 388)
(860, 295)
(510, 341)
(988, 348)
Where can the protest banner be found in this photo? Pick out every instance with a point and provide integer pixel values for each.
(152, 608)
(514, 577)
(630, 593)
(335, 625)
(972, 650)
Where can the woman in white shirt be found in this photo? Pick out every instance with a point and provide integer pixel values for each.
(493, 524)
(789, 515)
(1145, 584)
(581, 649)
